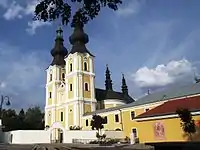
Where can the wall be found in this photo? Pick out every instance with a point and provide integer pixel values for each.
(172, 130)
(29, 136)
(128, 123)
(91, 135)
(42, 136)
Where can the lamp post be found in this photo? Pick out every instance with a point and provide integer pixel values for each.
(3, 99)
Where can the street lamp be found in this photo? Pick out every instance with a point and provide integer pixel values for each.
(6, 100)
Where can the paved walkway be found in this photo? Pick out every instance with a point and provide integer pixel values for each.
(72, 147)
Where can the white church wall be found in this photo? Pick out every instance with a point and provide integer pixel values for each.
(86, 136)
(114, 134)
(80, 135)
(29, 136)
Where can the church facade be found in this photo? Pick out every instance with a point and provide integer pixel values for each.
(72, 98)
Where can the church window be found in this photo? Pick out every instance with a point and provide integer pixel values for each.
(134, 131)
(50, 77)
(61, 116)
(86, 87)
(70, 87)
(63, 76)
(85, 66)
(116, 118)
(132, 115)
(71, 67)
(49, 94)
(105, 120)
(86, 122)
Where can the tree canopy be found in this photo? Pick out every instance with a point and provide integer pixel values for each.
(187, 122)
(51, 10)
(32, 119)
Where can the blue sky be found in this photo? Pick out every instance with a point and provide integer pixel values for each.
(154, 43)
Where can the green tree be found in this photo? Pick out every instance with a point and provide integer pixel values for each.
(34, 119)
(21, 119)
(187, 122)
(97, 123)
(9, 120)
(50, 10)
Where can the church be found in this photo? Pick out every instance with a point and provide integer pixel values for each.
(72, 98)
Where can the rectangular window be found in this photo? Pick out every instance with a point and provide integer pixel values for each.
(116, 118)
(105, 120)
(86, 122)
(85, 66)
(49, 94)
(50, 77)
(86, 87)
(70, 67)
(132, 115)
(134, 131)
(70, 87)
(61, 116)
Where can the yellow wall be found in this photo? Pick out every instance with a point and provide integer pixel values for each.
(70, 115)
(173, 131)
(70, 93)
(108, 105)
(86, 78)
(128, 124)
(58, 116)
(84, 124)
(111, 124)
(48, 122)
(87, 108)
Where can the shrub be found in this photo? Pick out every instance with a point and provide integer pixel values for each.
(75, 128)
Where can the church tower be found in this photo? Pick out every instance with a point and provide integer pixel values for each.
(79, 77)
(55, 78)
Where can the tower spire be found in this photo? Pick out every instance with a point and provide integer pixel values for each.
(108, 82)
(124, 86)
(59, 51)
(79, 39)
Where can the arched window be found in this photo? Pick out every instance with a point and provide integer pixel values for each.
(63, 76)
(86, 87)
(118, 129)
(85, 66)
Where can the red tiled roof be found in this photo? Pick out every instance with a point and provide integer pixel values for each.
(170, 107)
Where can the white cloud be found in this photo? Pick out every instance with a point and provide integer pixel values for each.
(33, 25)
(13, 11)
(16, 11)
(163, 75)
(128, 9)
(2, 85)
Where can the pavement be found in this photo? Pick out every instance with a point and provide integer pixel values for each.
(72, 147)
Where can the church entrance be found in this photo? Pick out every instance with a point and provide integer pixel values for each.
(57, 133)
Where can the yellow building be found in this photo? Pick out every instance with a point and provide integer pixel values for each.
(72, 98)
